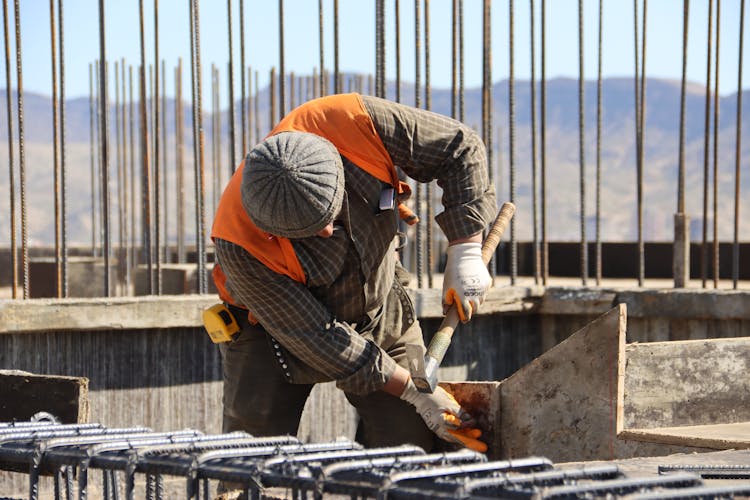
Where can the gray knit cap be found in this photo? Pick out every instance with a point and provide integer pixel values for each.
(293, 184)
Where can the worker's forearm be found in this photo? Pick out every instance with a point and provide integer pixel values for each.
(396, 384)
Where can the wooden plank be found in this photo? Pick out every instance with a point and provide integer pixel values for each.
(22, 395)
(565, 404)
(717, 436)
(692, 382)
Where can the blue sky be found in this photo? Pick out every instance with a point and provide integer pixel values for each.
(357, 39)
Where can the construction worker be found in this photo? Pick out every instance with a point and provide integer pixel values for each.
(305, 237)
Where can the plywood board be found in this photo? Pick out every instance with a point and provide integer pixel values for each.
(564, 405)
(717, 436)
(687, 383)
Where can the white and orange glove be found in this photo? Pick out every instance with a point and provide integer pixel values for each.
(466, 279)
(444, 416)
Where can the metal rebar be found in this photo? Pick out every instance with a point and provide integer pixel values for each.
(380, 51)
(55, 151)
(641, 148)
(157, 147)
(582, 149)
(256, 108)
(282, 73)
(454, 59)
(511, 117)
(165, 191)
(125, 186)
(118, 174)
(243, 115)
(321, 83)
(534, 200)
(216, 139)
(681, 252)
(132, 257)
(543, 146)
(230, 87)
(63, 164)
(706, 145)
(251, 118)
(598, 251)
(716, 151)
(11, 162)
(429, 188)
(418, 103)
(92, 130)
(737, 152)
(104, 138)
(461, 60)
(272, 98)
(145, 167)
(336, 72)
(638, 141)
(397, 50)
(180, 161)
(199, 174)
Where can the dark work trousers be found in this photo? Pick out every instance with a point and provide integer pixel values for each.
(260, 400)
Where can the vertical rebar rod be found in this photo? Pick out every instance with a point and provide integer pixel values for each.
(511, 116)
(598, 188)
(582, 149)
(282, 73)
(21, 154)
(272, 98)
(99, 168)
(397, 49)
(380, 51)
(55, 152)
(291, 90)
(321, 85)
(543, 146)
(215, 135)
(461, 60)
(11, 162)
(243, 115)
(534, 200)
(63, 165)
(336, 72)
(251, 118)
(125, 187)
(199, 169)
(230, 87)
(165, 182)
(716, 151)
(454, 59)
(180, 159)
(737, 152)
(145, 168)
(487, 103)
(157, 159)
(681, 252)
(104, 137)
(132, 258)
(638, 141)
(706, 145)
(118, 175)
(256, 108)
(429, 188)
(91, 159)
(418, 104)
(642, 145)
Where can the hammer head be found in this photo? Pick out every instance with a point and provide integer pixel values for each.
(423, 368)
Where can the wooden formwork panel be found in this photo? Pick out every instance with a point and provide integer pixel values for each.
(23, 395)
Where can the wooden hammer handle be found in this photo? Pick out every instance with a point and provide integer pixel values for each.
(442, 338)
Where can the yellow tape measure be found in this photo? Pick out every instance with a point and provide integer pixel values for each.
(219, 323)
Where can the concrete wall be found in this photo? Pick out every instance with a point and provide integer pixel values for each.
(149, 362)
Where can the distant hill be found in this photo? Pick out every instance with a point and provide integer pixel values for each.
(618, 163)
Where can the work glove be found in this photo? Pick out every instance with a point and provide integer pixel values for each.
(444, 416)
(466, 279)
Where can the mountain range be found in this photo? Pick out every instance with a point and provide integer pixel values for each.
(618, 165)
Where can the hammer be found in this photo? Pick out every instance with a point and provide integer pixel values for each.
(424, 371)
